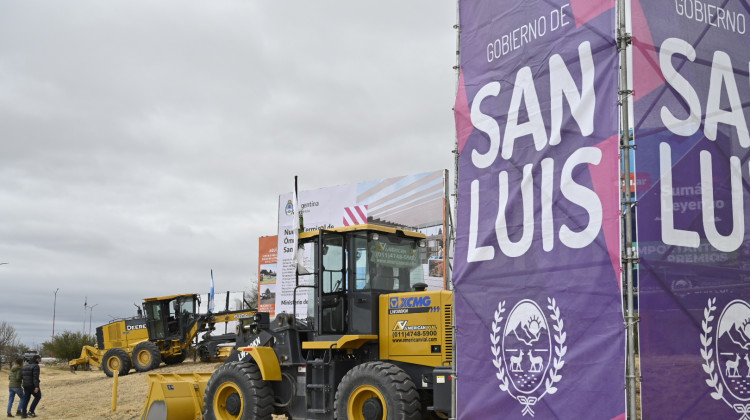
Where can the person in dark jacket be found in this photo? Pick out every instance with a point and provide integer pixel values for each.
(14, 385)
(30, 377)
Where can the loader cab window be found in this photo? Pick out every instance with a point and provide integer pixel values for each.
(306, 276)
(333, 284)
(333, 264)
(386, 263)
(380, 263)
(323, 257)
(395, 263)
(361, 273)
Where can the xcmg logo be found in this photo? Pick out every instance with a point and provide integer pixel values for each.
(412, 302)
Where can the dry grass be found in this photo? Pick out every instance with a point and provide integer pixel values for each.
(88, 395)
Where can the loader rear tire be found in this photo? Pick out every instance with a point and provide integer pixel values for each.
(237, 391)
(375, 391)
(175, 360)
(146, 356)
(116, 360)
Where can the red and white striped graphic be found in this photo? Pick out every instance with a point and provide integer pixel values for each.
(355, 215)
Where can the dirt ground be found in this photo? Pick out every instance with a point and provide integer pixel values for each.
(88, 395)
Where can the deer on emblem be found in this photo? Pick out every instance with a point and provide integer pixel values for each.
(515, 362)
(731, 367)
(536, 362)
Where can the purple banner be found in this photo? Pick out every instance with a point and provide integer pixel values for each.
(692, 102)
(540, 331)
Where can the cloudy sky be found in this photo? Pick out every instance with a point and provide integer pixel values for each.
(143, 143)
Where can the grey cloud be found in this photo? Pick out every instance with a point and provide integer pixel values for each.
(144, 143)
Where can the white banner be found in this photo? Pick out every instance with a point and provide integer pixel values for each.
(415, 202)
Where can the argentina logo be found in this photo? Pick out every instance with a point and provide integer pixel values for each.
(528, 350)
(725, 348)
(289, 208)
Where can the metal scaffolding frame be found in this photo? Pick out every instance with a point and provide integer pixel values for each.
(629, 255)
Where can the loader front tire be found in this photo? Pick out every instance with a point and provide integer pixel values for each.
(116, 360)
(375, 391)
(236, 391)
(146, 356)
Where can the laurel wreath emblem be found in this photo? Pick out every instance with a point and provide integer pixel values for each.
(553, 376)
(560, 349)
(707, 352)
(496, 350)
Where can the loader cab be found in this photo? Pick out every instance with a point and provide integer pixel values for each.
(349, 268)
(170, 317)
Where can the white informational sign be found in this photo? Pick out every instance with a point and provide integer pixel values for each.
(321, 209)
(415, 202)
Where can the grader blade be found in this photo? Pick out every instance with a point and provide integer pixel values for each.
(175, 396)
(89, 355)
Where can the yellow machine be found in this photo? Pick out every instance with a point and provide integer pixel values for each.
(115, 341)
(374, 344)
(184, 391)
(164, 334)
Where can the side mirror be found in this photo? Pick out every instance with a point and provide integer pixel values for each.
(419, 287)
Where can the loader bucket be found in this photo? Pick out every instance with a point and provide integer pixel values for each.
(175, 396)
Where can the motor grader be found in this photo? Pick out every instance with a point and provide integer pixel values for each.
(372, 345)
(164, 333)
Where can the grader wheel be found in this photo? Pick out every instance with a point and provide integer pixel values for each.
(377, 391)
(237, 391)
(146, 356)
(116, 360)
(176, 359)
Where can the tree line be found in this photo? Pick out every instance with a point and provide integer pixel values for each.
(65, 346)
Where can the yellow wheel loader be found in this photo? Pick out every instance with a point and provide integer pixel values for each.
(164, 334)
(373, 344)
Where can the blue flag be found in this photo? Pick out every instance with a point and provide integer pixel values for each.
(211, 294)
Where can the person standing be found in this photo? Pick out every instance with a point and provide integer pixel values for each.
(30, 377)
(14, 385)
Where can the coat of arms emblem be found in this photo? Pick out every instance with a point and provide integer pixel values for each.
(528, 351)
(289, 208)
(725, 348)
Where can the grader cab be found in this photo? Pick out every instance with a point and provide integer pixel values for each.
(373, 343)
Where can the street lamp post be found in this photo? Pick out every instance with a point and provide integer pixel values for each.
(91, 314)
(85, 306)
(54, 309)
